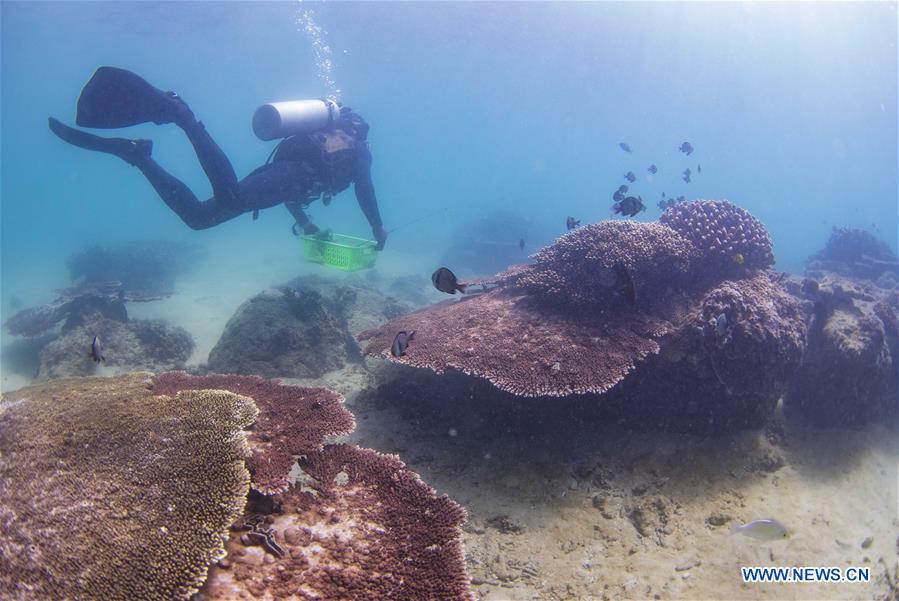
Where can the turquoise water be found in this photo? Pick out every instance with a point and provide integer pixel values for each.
(791, 109)
(484, 109)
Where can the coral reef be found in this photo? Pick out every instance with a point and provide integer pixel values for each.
(850, 371)
(133, 503)
(357, 525)
(858, 254)
(522, 348)
(146, 270)
(584, 267)
(723, 233)
(684, 306)
(292, 420)
(128, 346)
(711, 377)
(362, 527)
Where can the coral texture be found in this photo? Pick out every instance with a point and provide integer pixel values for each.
(850, 372)
(108, 491)
(522, 348)
(711, 377)
(722, 232)
(585, 267)
(362, 527)
(292, 420)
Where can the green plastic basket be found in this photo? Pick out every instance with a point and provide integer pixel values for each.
(347, 253)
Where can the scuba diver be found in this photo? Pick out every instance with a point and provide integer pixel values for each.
(323, 151)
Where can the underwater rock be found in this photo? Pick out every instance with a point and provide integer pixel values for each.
(851, 369)
(74, 307)
(108, 491)
(857, 254)
(128, 346)
(370, 301)
(146, 270)
(305, 328)
(285, 332)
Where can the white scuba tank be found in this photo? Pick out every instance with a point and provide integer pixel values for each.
(282, 119)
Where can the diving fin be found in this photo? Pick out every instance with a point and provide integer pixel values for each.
(115, 97)
(130, 151)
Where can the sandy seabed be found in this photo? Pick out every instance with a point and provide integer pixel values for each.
(565, 506)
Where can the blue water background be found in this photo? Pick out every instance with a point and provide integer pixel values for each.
(473, 106)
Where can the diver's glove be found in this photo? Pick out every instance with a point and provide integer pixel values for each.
(308, 229)
(381, 236)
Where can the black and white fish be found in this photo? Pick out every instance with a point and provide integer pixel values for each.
(630, 206)
(687, 175)
(401, 342)
(653, 169)
(97, 350)
(624, 146)
(445, 280)
(521, 244)
(572, 223)
(686, 148)
(721, 325)
(629, 176)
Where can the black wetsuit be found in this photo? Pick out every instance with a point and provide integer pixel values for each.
(302, 169)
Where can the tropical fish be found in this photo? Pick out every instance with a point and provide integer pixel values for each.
(255, 214)
(663, 195)
(721, 325)
(686, 148)
(739, 259)
(97, 350)
(764, 529)
(572, 223)
(618, 196)
(698, 168)
(623, 188)
(687, 175)
(629, 176)
(445, 280)
(681, 198)
(624, 146)
(626, 290)
(630, 206)
(521, 244)
(653, 169)
(401, 342)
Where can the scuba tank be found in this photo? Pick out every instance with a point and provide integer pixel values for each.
(283, 119)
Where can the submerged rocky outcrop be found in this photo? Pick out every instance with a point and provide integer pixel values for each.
(850, 372)
(305, 328)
